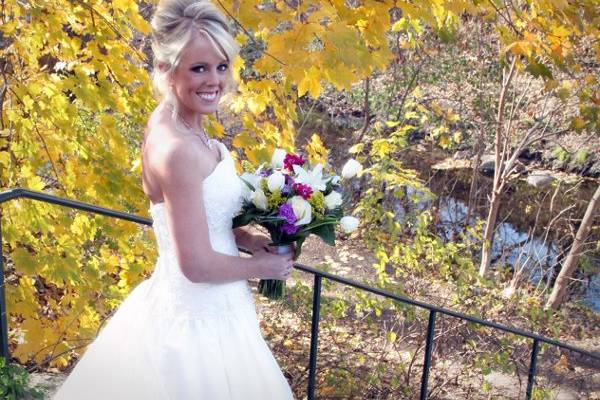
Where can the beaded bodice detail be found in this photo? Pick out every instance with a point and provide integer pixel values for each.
(222, 199)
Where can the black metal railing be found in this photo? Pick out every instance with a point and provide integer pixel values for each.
(318, 278)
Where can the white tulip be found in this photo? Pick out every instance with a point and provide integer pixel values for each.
(349, 224)
(259, 199)
(277, 158)
(252, 179)
(351, 168)
(246, 192)
(275, 181)
(333, 200)
(302, 210)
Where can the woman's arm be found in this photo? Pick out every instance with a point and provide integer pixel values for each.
(180, 171)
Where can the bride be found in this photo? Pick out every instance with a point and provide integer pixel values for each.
(190, 331)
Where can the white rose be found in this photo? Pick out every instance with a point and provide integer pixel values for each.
(259, 199)
(302, 210)
(349, 224)
(351, 168)
(275, 181)
(277, 158)
(333, 200)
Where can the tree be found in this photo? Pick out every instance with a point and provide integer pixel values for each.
(75, 94)
(559, 291)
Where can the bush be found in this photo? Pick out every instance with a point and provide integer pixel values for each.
(14, 382)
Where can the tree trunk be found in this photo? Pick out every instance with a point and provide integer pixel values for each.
(560, 286)
(366, 110)
(499, 170)
(488, 235)
(479, 148)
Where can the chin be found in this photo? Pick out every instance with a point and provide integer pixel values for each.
(207, 109)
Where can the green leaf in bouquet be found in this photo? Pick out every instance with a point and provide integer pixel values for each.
(322, 221)
(249, 214)
(248, 184)
(269, 218)
(298, 250)
(243, 219)
(326, 232)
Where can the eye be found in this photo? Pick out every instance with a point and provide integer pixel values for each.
(223, 67)
(199, 68)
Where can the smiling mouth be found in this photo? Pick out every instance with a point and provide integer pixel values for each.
(208, 96)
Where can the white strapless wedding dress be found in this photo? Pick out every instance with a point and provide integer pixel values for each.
(174, 339)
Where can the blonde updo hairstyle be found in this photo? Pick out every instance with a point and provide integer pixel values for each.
(174, 24)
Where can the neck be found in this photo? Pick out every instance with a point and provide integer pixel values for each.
(192, 119)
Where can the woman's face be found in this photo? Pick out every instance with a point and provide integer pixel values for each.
(200, 78)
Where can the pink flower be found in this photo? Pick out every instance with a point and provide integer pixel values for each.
(292, 159)
(303, 190)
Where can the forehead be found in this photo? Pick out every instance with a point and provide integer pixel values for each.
(200, 49)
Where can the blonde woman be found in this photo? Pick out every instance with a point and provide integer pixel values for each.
(190, 331)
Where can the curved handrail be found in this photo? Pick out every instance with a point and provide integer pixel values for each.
(319, 275)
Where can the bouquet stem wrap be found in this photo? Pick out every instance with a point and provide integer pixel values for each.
(272, 288)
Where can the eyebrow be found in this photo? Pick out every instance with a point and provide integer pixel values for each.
(201, 63)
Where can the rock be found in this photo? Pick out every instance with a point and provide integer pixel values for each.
(487, 164)
(540, 180)
(528, 155)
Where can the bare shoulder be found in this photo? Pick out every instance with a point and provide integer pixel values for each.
(172, 156)
(168, 153)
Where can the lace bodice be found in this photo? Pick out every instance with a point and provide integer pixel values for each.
(222, 199)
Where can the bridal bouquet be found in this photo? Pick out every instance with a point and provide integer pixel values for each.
(293, 200)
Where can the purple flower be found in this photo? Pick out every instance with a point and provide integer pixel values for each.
(265, 173)
(287, 187)
(286, 190)
(287, 212)
(289, 229)
(338, 188)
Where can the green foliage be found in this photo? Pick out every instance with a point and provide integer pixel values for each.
(561, 154)
(78, 95)
(581, 157)
(14, 382)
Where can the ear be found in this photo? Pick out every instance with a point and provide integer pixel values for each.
(163, 66)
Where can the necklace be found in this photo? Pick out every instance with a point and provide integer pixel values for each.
(201, 133)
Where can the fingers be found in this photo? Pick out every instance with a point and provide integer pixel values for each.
(271, 249)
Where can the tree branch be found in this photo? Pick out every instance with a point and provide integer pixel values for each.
(248, 34)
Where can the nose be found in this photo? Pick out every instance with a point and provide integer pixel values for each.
(213, 77)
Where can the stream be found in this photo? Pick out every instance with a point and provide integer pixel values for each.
(528, 236)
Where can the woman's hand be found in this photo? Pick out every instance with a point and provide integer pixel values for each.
(259, 242)
(273, 266)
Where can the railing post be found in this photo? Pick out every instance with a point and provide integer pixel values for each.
(3, 322)
(428, 351)
(314, 336)
(532, 368)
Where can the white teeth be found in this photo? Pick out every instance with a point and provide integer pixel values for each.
(208, 96)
